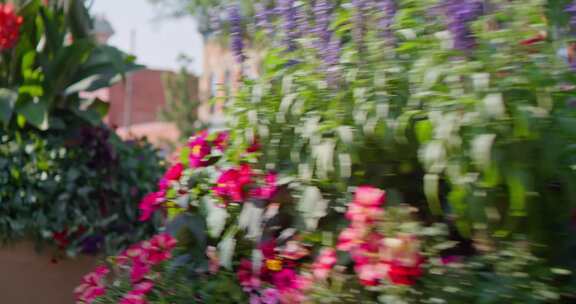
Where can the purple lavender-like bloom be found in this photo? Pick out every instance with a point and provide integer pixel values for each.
(359, 30)
(236, 35)
(289, 13)
(459, 13)
(571, 10)
(322, 16)
(387, 9)
(263, 17)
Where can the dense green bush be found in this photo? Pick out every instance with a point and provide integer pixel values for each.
(65, 179)
(74, 189)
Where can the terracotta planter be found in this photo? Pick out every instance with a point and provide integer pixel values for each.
(27, 277)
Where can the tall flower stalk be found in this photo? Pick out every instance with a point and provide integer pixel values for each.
(236, 33)
(459, 14)
(387, 9)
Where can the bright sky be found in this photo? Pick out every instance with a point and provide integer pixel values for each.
(158, 42)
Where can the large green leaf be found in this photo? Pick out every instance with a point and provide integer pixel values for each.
(7, 101)
(35, 111)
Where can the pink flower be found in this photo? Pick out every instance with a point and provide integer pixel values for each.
(369, 196)
(159, 248)
(254, 147)
(324, 263)
(221, 140)
(349, 239)
(246, 276)
(139, 271)
(143, 287)
(133, 298)
(268, 190)
(362, 215)
(404, 275)
(231, 183)
(91, 286)
(9, 27)
(270, 296)
(149, 204)
(173, 174)
(285, 279)
(199, 149)
(371, 274)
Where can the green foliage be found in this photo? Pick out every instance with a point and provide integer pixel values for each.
(75, 189)
(55, 58)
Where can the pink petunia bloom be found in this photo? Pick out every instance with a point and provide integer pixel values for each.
(349, 239)
(139, 271)
(324, 263)
(404, 275)
(91, 286)
(150, 203)
(270, 296)
(285, 279)
(363, 215)
(221, 140)
(232, 183)
(371, 274)
(369, 196)
(175, 172)
(246, 276)
(199, 149)
(159, 248)
(268, 190)
(254, 147)
(133, 298)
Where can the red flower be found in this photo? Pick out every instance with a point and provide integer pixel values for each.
(404, 275)
(254, 147)
(231, 183)
(149, 204)
(91, 286)
(533, 40)
(368, 196)
(61, 238)
(9, 26)
(268, 190)
(221, 140)
(175, 172)
(199, 149)
(324, 263)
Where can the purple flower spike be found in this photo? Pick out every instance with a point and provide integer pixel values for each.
(289, 13)
(361, 7)
(236, 35)
(263, 17)
(387, 9)
(571, 10)
(459, 13)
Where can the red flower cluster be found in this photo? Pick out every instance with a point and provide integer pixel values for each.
(276, 270)
(9, 26)
(143, 256)
(92, 286)
(378, 258)
(232, 183)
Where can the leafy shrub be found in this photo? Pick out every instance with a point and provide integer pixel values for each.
(74, 189)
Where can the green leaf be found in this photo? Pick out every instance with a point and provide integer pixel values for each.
(35, 111)
(7, 101)
(431, 186)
